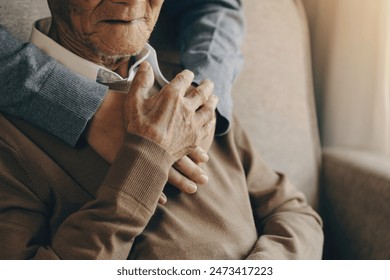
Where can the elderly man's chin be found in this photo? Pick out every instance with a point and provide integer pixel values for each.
(115, 40)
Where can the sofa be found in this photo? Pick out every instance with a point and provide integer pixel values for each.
(349, 187)
(274, 101)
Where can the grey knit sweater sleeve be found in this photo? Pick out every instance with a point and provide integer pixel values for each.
(210, 37)
(37, 88)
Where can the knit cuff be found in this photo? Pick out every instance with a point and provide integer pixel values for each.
(140, 170)
(64, 104)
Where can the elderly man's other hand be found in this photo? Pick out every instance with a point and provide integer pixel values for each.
(105, 130)
(190, 166)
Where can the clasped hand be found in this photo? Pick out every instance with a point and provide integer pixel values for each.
(181, 118)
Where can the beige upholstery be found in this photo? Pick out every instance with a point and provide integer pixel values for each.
(273, 96)
(18, 15)
(355, 203)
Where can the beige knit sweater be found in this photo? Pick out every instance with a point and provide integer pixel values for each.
(59, 202)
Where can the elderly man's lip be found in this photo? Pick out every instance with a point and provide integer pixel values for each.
(120, 21)
(117, 21)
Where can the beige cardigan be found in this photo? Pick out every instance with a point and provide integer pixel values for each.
(59, 202)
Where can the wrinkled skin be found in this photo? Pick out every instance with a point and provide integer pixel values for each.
(102, 31)
(177, 121)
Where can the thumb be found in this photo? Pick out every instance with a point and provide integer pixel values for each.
(143, 81)
(141, 85)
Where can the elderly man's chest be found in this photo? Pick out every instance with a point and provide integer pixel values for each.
(215, 223)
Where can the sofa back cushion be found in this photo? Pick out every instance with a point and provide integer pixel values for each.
(273, 96)
(18, 15)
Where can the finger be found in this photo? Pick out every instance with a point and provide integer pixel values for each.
(198, 155)
(180, 83)
(181, 182)
(206, 113)
(143, 80)
(204, 132)
(191, 170)
(200, 95)
(163, 199)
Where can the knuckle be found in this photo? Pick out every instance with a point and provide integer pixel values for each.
(207, 115)
(196, 172)
(185, 77)
(187, 111)
(181, 78)
(212, 102)
(199, 91)
(181, 182)
(211, 125)
(209, 84)
(171, 95)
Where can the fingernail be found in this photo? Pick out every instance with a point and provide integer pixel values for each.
(144, 66)
(204, 157)
(163, 199)
(204, 179)
(192, 188)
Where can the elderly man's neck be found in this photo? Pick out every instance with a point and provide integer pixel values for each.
(118, 64)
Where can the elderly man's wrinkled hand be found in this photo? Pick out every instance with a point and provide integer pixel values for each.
(105, 132)
(179, 122)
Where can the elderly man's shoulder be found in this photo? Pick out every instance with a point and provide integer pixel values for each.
(10, 136)
(30, 147)
(19, 156)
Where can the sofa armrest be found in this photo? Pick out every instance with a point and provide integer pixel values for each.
(355, 203)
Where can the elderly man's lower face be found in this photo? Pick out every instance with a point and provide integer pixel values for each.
(104, 31)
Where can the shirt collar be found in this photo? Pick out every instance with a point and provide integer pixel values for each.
(39, 37)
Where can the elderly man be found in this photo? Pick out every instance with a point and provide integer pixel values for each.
(73, 205)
